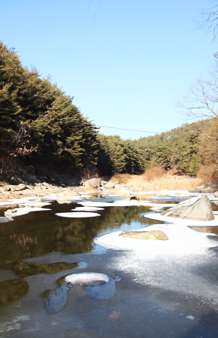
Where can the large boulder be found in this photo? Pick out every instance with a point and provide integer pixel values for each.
(196, 208)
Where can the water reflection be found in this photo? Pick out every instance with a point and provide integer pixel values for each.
(105, 291)
(12, 290)
(28, 269)
(97, 288)
(38, 234)
(55, 299)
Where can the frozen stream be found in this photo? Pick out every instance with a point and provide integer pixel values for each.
(69, 286)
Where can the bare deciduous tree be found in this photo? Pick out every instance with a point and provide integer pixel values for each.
(201, 101)
(210, 19)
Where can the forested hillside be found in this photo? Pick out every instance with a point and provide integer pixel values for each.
(41, 128)
(39, 124)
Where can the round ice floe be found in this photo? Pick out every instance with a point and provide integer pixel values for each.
(87, 209)
(77, 214)
(86, 278)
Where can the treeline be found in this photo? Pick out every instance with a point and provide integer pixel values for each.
(40, 127)
(176, 150)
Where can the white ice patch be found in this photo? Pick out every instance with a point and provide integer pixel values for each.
(87, 209)
(13, 325)
(32, 204)
(97, 204)
(157, 208)
(175, 220)
(23, 211)
(122, 203)
(182, 240)
(190, 317)
(170, 273)
(77, 214)
(68, 198)
(86, 278)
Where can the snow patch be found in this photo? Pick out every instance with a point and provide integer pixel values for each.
(184, 222)
(77, 214)
(23, 211)
(87, 209)
(86, 278)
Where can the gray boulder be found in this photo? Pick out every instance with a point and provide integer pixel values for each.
(209, 187)
(196, 208)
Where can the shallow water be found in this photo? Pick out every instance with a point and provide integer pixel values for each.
(40, 233)
(171, 297)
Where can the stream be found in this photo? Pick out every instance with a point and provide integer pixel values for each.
(56, 282)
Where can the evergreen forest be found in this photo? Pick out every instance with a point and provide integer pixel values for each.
(41, 129)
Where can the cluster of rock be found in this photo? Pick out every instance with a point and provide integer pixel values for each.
(38, 190)
(210, 187)
(97, 183)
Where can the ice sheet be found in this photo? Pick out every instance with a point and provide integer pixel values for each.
(181, 241)
(77, 214)
(174, 220)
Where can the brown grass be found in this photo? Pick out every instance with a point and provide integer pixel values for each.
(208, 173)
(154, 172)
(165, 182)
(121, 178)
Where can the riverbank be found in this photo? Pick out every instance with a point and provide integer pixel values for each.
(122, 185)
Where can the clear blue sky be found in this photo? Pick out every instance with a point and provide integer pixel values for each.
(126, 63)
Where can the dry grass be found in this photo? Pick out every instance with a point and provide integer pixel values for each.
(121, 178)
(166, 182)
(208, 173)
(154, 172)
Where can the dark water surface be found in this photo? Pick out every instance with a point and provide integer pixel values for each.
(39, 249)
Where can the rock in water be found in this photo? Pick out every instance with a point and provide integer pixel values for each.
(196, 208)
(152, 234)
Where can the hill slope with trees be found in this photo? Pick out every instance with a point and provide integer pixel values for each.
(41, 130)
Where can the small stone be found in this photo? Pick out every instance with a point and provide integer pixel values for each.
(21, 187)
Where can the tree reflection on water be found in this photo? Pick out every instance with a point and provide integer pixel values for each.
(40, 233)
